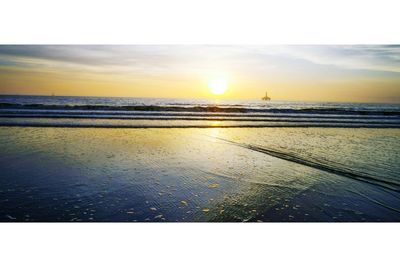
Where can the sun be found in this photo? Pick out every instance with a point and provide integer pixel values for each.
(218, 86)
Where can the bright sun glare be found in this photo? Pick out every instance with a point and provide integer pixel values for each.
(218, 86)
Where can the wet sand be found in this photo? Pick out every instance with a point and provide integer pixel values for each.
(215, 174)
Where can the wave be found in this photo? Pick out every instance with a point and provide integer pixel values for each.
(167, 113)
(174, 124)
(203, 108)
(39, 112)
(327, 166)
(368, 120)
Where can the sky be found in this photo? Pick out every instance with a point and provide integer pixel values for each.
(352, 73)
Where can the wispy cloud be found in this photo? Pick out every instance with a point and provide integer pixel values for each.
(358, 57)
(167, 59)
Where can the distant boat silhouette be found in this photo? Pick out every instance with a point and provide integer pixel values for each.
(266, 97)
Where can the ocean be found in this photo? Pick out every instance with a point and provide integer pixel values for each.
(94, 159)
(64, 111)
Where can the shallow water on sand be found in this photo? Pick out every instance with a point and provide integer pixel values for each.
(246, 174)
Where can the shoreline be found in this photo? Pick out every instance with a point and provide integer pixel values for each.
(191, 175)
(194, 127)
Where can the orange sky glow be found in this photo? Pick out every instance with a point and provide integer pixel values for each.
(300, 73)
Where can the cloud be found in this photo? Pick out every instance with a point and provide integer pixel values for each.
(186, 59)
(357, 57)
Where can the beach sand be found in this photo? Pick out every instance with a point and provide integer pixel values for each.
(195, 175)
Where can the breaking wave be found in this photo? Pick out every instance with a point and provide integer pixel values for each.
(42, 111)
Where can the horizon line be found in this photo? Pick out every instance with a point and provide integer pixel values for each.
(199, 98)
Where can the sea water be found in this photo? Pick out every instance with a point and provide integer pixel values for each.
(154, 112)
(75, 159)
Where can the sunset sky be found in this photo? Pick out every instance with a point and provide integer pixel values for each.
(310, 73)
